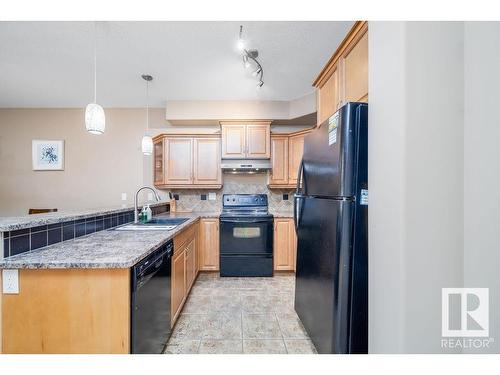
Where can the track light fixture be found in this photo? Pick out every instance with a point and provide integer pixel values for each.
(250, 56)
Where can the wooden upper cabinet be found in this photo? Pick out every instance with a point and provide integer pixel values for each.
(258, 141)
(279, 160)
(250, 140)
(286, 155)
(355, 69)
(329, 97)
(345, 76)
(178, 166)
(187, 161)
(206, 167)
(209, 245)
(233, 141)
(158, 167)
(296, 150)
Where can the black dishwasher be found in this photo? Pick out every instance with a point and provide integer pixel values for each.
(150, 302)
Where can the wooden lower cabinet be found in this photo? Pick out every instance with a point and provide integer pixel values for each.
(184, 268)
(79, 311)
(178, 292)
(209, 245)
(190, 264)
(285, 245)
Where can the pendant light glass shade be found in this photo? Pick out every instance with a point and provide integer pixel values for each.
(147, 145)
(95, 121)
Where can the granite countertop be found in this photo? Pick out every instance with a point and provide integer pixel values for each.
(9, 223)
(105, 249)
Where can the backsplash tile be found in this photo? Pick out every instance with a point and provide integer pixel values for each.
(23, 240)
(19, 244)
(54, 236)
(190, 199)
(38, 240)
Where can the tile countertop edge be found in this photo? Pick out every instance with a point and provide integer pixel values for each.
(65, 250)
(22, 222)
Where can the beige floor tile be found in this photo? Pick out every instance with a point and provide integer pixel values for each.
(223, 326)
(291, 326)
(189, 326)
(257, 346)
(260, 326)
(294, 346)
(221, 347)
(177, 346)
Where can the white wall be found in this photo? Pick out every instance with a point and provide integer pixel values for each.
(387, 187)
(481, 165)
(416, 181)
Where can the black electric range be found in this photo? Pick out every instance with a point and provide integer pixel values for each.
(246, 236)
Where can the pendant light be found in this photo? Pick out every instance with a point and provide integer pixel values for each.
(95, 121)
(147, 141)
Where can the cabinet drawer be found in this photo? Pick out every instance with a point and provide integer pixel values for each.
(182, 238)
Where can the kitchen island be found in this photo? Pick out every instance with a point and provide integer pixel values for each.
(74, 296)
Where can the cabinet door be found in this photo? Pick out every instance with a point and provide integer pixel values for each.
(190, 264)
(178, 291)
(158, 167)
(293, 244)
(206, 168)
(209, 245)
(233, 141)
(279, 160)
(355, 70)
(283, 254)
(178, 168)
(296, 150)
(329, 97)
(258, 141)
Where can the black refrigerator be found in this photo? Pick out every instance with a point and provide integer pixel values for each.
(331, 221)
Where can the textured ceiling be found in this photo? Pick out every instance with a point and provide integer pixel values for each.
(50, 64)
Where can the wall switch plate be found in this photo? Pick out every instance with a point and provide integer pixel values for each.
(285, 197)
(212, 196)
(10, 281)
(124, 196)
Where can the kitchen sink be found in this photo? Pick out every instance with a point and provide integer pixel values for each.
(154, 224)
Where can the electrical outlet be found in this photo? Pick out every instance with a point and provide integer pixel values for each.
(203, 197)
(124, 196)
(10, 281)
(285, 197)
(212, 196)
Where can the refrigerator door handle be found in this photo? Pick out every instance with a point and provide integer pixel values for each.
(298, 189)
(296, 210)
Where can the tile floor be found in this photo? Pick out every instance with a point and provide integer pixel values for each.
(240, 315)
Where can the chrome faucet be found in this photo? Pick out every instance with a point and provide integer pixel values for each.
(157, 197)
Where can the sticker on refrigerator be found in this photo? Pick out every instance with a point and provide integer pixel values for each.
(333, 123)
(364, 197)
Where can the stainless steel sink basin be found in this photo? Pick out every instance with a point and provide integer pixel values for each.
(154, 224)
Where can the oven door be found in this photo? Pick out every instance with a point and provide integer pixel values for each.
(246, 236)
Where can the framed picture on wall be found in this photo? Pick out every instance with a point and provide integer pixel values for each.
(47, 155)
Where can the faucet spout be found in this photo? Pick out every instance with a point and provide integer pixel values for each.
(157, 197)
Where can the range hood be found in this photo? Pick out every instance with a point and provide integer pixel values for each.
(245, 165)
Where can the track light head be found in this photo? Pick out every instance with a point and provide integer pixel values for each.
(260, 84)
(256, 72)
